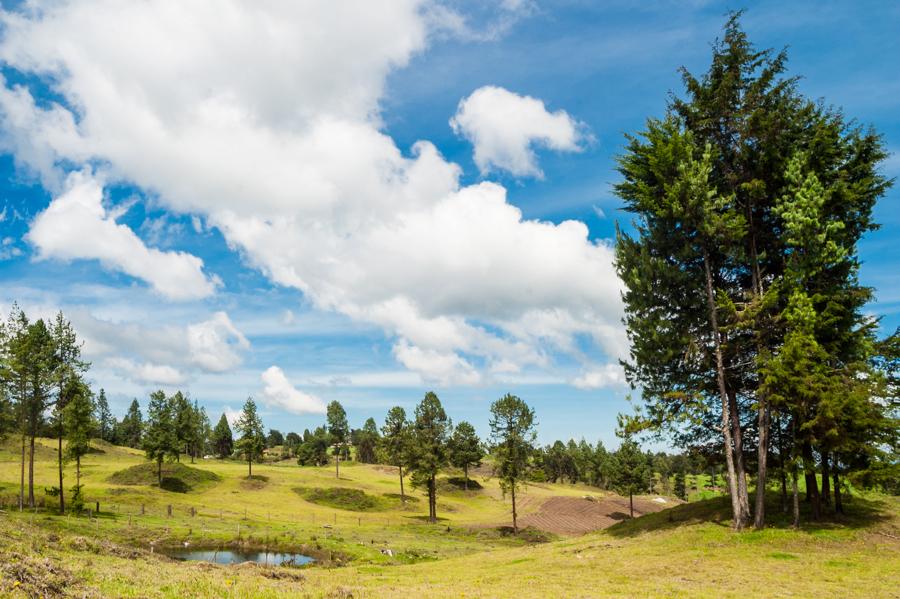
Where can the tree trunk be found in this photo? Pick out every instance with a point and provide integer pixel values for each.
(838, 504)
(783, 472)
(22, 477)
(77, 472)
(796, 498)
(31, 502)
(466, 473)
(759, 512)
(631, 504)
(515, 523)
(249, 467)
(402, 496)
(738, 516)
(62, 495)
(159, 472)
(812, 486)
(740, 471)
(337, 468)
(826, 483)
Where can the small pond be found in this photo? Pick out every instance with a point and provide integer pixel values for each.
(230, 556)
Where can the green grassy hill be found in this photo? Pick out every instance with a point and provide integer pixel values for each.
(687, 550)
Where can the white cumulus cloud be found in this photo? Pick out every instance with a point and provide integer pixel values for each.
(77, 226)
(505, 128)
(278, 392)
(263, 120)
(607, 375)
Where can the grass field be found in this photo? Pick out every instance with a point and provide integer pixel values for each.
(687, 550)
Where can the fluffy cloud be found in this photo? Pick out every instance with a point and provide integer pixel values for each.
(214, 345)
(76, 225)
(505, 128)
(146, 373)
(608, 375)
(280, 393)
(164, 355)
(262, 119)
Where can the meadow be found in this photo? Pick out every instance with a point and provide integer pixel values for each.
(374, 545)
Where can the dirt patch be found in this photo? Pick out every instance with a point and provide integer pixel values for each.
(575, 515)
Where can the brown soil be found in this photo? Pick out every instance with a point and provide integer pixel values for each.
(575, 515)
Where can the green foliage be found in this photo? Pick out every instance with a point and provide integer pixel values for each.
(131, 429)
(222, 440)
(512, 437)
(429, 447)
(631, 472)
(78, 421)
(313, 451)
(252, 441)
(105, 421)
(160, 441)
(366, 441)
(464, 448)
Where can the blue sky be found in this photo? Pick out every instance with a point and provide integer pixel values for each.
(250, 213)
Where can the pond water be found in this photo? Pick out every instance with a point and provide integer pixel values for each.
(229, 556)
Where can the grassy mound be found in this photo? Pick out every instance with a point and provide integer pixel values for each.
(177, 478)
(458, 483)
(255, 482)
(341, 498)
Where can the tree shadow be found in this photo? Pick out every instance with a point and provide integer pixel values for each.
(859, 512)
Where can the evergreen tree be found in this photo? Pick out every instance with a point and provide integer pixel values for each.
(184, 421)
(631, 471)
(464, 449)
(223, 442)
(105, 420)
(680, 485)
(252, 441)
(132, 426)
(512, 435)
(160, 441)
(291, 442)
(366, 442)
(338, 429)
(66, 367)
(706, 274)
(396, 440)
(79, 422)
(313, 451)
(274, 438)
(429, 447)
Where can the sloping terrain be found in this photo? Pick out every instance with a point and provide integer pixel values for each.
(579, 515)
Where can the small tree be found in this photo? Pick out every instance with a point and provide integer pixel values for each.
(184, 423)
(132, 427)
(512, 433)
(465, 449)
(366, 442)
(680, 485)
(291, 442)
(338, 429)
(160, 441)
(253, 440)
(274, 438)
(429, 447)
(78, 419)
(105, 420)
(223, 442)
(396, 437)
(631, 471)
(314, 449)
